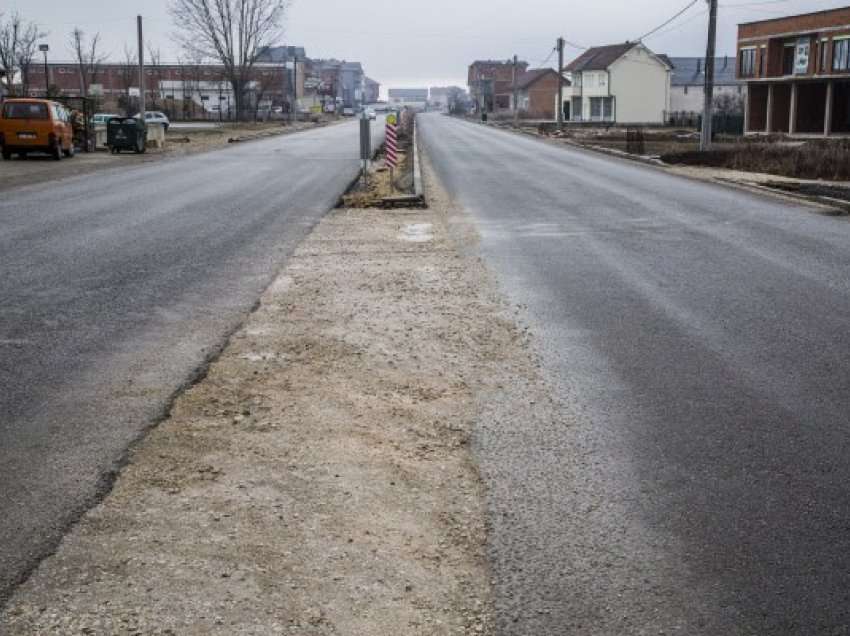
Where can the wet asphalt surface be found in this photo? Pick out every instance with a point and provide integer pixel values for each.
(116, 288)
(694, 475)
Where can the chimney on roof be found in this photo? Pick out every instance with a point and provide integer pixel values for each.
(699, 65)
(725, 61)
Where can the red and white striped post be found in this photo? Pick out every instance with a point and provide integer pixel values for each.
(391, 146)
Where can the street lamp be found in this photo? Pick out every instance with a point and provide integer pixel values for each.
(44, 49)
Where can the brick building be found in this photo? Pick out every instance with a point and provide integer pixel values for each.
(537, 93)
(797, 70)
(200, 89)
(491, 84)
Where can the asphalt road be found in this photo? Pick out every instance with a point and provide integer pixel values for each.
(116, 287)
(695, 479)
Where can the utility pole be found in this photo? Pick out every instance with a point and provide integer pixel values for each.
(516, 92)
(560, 47)
(44, 49)
(141, 68)
(708, 108)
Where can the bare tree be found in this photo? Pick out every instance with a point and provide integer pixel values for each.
(87, 57)
(233, 32)
(128, 77)
(154, 66)
(18, 43)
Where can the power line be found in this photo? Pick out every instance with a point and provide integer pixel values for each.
(665, 23)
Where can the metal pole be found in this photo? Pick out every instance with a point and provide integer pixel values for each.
(516, 93)
(560, 83)
(141, 69)
(708, 107)
(295, 86)
(46, 77)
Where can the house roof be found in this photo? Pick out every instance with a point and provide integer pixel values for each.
(690, 71)
(530, 76)
(599, 58)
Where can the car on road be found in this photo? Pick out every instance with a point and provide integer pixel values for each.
(155, 117)
(35, 125)
(370, 114)
(348, 112)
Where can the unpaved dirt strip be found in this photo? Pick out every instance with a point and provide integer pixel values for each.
(319, 479)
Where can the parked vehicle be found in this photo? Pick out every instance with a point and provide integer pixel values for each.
(35, 125)
(371, 115)
(155, 117)
(348, 112)
(101, 118)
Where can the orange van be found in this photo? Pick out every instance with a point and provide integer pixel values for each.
(35, 125)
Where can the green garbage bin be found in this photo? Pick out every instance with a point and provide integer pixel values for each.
(126, 133)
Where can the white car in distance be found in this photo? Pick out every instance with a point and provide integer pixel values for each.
(155, 117)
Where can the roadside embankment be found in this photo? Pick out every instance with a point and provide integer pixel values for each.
(319, 479)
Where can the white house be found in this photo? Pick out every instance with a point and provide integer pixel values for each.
(618, 84)
(688, 82)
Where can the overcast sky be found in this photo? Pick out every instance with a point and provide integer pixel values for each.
(431, 42)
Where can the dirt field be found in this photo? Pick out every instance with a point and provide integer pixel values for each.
(40, 169)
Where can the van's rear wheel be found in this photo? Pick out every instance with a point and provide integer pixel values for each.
(57, 151)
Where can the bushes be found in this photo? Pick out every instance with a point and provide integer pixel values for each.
(810, 160)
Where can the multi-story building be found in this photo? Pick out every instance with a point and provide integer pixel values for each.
(618, 84)
(797, 70)
(200, 89)
(491, 83)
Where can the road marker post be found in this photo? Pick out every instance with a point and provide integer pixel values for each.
(392, 146)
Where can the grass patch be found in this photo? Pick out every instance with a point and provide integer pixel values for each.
(824, 159)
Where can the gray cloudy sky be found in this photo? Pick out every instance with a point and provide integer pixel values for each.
(430, 42)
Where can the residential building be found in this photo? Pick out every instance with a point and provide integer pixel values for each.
(373, 91)
(687, 84)
(797, 70)
(411, 97)
(537, 93)
(491, 84)
(618, 84)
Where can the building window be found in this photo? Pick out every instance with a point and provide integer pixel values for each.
(789, 53)
(601, 108)
(748, 62)
(841, 55)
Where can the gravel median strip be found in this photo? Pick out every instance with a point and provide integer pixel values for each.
(319, 480)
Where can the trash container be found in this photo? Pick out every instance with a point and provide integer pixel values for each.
(484, 116)
(126, 133)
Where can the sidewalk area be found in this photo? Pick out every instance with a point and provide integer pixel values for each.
(319, 480)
